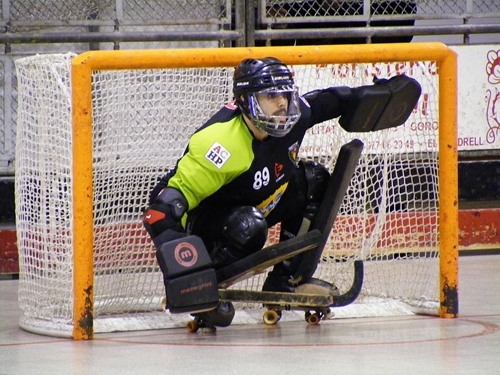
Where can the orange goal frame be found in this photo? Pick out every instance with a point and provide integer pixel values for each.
(84, 64)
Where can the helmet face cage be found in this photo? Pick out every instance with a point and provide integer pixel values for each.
(275, 125)
(260, 76)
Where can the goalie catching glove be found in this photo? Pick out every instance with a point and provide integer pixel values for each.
(386, 104)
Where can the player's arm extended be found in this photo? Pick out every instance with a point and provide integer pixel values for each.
(327, 104)
(386, 104)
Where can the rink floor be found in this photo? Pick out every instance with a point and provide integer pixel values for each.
(416, 344)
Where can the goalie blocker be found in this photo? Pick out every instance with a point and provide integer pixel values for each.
(190, 280)
(386, 104)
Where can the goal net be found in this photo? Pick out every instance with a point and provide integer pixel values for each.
(140, 117)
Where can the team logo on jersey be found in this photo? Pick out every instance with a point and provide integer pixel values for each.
(218, 155)
(278, 168)
(293, 151)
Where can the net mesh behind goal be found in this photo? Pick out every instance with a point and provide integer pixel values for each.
(142, 120)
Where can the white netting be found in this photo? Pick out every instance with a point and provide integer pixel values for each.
(141, 123)
(43, 189)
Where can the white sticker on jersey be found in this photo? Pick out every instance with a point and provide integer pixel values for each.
(218, 155)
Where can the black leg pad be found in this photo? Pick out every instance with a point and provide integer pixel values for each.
(193, 292)
(182, 256)
(190, 281)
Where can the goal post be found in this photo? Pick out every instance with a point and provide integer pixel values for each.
(124, 104)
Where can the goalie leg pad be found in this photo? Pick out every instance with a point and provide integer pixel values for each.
(337, 187)
(386, 104)
(183, 255)
(190, 281)
(193, 292)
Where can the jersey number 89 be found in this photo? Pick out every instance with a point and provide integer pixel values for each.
(261, 178)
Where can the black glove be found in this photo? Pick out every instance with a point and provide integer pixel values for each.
(386, 104)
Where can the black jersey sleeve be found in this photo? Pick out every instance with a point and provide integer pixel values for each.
(327, 104)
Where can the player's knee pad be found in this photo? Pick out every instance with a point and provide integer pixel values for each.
(162, 219)
(246, 230)
(317, 177)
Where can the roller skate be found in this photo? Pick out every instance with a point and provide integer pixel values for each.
(221, 316)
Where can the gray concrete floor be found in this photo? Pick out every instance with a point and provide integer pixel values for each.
(426, 345)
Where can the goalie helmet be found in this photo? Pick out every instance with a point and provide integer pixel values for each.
(266, 76)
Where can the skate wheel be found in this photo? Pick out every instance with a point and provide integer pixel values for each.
(312, 319)
(192, 326)
(271, 317)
